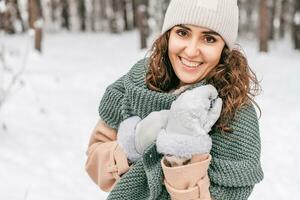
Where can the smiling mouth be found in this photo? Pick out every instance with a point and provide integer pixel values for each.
(190, 64)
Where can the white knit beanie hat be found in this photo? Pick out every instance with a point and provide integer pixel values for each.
(221, 16)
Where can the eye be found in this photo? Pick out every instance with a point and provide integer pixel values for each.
(181, 32)
(210, 39)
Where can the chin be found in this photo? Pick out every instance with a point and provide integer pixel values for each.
(188, 81)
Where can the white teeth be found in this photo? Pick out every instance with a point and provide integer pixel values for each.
(190, 64)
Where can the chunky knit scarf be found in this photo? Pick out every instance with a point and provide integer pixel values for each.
(235, 166)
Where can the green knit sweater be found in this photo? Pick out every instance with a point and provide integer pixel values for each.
(235, 166)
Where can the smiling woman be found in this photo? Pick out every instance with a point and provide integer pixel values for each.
(181, 124)
(193, 52)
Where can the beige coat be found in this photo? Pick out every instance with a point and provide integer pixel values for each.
(107, 162)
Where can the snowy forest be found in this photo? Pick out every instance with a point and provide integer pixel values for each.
(58, 56)
(270, 19)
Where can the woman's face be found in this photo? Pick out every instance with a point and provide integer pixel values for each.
(193, 51)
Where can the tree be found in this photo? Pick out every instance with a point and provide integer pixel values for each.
(113, 15)
(82, 14)
(65, 15)
(263, 26)
(10, 17)
(272, 16)
(143, 25)
(157, 10)
(103, 16)
(283, 17)
(134, 11)
(5, 19)
(16, 13)
(127, 14)
(94, 14)
(250, 7)
(296, 24)
(36, 22)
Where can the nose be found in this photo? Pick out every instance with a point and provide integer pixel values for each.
(192, 49)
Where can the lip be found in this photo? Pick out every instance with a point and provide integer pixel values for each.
(180, 57)
(188, 68)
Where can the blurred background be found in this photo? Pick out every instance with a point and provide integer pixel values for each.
(263, 19)
(58, 56)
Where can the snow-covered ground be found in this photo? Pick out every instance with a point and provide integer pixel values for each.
(48, 119)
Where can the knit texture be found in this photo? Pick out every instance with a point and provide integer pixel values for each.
(235, 166)
(221, 16)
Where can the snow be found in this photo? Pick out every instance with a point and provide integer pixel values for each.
(2, 6)
(47, 121)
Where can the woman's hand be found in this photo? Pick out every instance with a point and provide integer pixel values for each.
(135, 135)
(126, 138)
(148, 129)
(191, 117)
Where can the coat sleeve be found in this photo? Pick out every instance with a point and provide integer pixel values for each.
(235, 166)
(188, 181)
(106, 161)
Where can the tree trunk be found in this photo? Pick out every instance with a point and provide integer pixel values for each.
(18, 14)
(249, 11)
(164, 7)
(263, 26)
(283, 13)
(272, 18)
(134, 11)
(93, 15)
(103, 6)
(38, 39)
(142, 25)
(113, 16)
(296, 24)
(10, 17)
(82, 14)
(65, 14)
(35, 22)
(135, 5)
(125, 15)
(6, 22)
(53, 6)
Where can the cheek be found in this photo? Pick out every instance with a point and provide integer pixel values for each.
(174, 46)
(212, 55)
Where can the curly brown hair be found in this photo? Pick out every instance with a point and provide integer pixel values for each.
(236, 83)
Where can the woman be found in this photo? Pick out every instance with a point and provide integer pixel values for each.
(181, 123)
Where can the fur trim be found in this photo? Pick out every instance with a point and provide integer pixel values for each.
(182, 145)
(126, 137)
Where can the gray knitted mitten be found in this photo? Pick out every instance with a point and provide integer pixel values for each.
(148, 129)
(135, 135)
(191, 117)
(126, 138)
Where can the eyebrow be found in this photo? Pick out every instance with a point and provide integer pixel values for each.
(204, 32)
